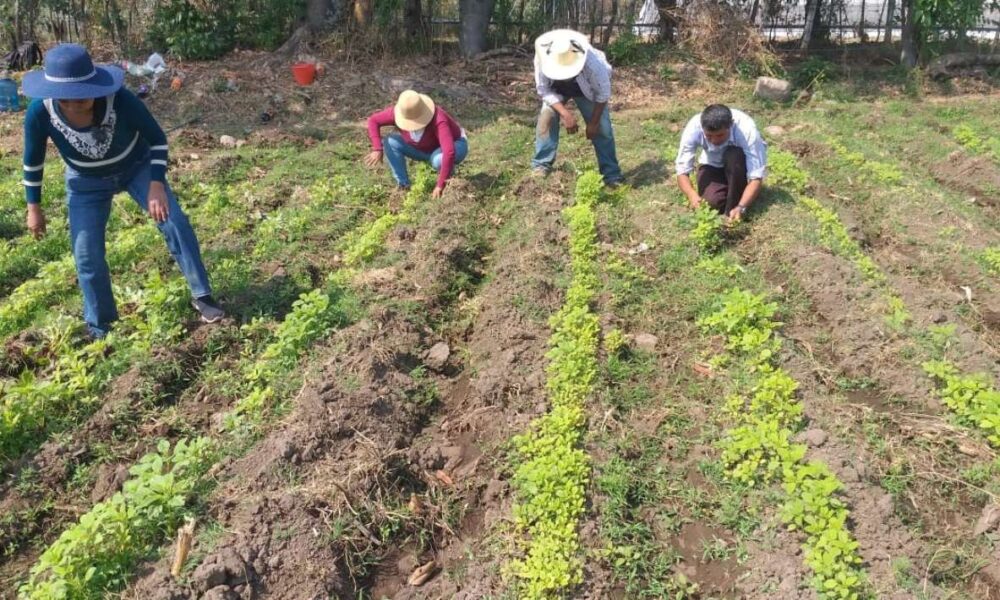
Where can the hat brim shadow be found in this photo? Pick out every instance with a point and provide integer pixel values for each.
(106, 81)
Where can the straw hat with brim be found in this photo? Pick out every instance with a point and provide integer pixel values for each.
(562, 53)
(70, 74)
(413, 111)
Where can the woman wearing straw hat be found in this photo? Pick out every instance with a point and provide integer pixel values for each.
(568, 68)
(426, 133)
(110, 144)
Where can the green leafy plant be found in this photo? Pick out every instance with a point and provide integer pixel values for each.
(967, 137)
(990, 259)
(758, 449)
(707, 230)
(783, 171)
(94, 557)
(882, 172)
(368, 241)
(551, 470)
(971, 397)
(812, 72)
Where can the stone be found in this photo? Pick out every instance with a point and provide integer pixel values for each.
(774, 130)
(771, 88)
(227, 141)
(227, 566)
(988, 520)
(646, 341)
(815, 437)
(221, 592)
(437, 356)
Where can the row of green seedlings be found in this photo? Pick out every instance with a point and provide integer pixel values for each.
(34, 405)
(69, 381)
(973, 399)
(970, 139)
(879, 171)
(98, 553)
(551, 469)
(784, 171)
(313, 314)
(758, 449)
(76, 376)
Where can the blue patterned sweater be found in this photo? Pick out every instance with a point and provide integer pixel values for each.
(125, 133)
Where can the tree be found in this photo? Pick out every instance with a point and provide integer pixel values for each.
(474, 17)
(812, 23)
(890, 15)
(411, 18)
(668, 19)
(911, 42)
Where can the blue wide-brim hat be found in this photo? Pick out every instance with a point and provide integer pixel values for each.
(70, 74)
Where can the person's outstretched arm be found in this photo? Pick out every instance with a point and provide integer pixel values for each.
(35, 141)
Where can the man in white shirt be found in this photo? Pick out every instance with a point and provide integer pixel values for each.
(568, 68)
(732, 159)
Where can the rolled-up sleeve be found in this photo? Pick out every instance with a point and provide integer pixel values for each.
(687, 153)
(755, 149)
(543, 85)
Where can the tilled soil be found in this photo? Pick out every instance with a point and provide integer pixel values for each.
(843, 336)
(356, 446)
(499, 391)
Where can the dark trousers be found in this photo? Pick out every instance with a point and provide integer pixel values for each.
(723, 187)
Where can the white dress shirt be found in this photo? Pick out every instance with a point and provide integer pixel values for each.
(743, 134)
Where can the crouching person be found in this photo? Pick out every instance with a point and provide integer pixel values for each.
(731, 157)
(427, 133)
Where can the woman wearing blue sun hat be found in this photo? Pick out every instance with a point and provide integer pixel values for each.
(110, 143)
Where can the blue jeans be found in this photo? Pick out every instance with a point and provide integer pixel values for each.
(547, 140)
(397, 151)
(89, 206)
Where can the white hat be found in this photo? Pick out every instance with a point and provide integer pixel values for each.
(561, 53)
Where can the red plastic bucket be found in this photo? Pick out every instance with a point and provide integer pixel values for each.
(304, 73)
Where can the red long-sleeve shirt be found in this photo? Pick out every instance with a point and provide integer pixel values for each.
(441, 132)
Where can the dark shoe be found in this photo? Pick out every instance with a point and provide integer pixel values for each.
(209, 309)
(614, 185)
(92, 334)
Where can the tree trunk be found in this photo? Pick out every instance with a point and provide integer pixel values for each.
(316, 11)
(890, 13)
(668, 19)
(908, 57)
(812, 23)
(411, 18)
(609, 27)
(474, 18)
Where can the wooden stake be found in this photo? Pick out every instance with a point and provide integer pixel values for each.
(185, 535)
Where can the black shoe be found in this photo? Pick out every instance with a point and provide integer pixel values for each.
(209, 309)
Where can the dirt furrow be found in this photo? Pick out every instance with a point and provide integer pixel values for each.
(323, 498)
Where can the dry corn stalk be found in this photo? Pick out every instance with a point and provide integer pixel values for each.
(185, 536)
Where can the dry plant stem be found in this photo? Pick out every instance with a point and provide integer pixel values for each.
(357, 517)
(185, 535)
